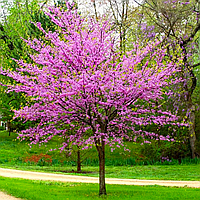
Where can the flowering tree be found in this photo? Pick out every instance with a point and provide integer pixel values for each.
(80, 88)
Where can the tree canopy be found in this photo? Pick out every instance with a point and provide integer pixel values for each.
(78, 76)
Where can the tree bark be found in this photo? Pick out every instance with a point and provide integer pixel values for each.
(191, 107)
(78, 160)
(9, 127)
(102, 182)
(192, 135)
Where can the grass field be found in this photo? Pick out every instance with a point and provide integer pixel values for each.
(46, 190)
(14, 153)
(18, 155)
(162, 172)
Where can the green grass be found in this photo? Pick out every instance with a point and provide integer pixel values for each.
(119, 165)
(162, 172)
(46, 190)
(13, 153)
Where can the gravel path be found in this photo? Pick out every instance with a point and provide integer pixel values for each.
(85, 179)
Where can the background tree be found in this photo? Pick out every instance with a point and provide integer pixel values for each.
(16, 24)
(178, 22)
(119, 12)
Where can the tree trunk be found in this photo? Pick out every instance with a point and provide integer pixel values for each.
(190, 90)
(78, 160)
(192, 134)
(101, 153)
(9, 127)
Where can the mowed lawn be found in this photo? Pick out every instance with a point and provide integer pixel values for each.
(164, 172)
(13, 154)
(46, 190)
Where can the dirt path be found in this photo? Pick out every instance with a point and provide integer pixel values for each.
(4, 196)
(85, 179)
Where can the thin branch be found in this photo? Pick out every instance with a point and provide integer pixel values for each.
(192, 35)
(95, 9)
(195, 65)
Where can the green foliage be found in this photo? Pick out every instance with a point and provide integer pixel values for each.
(165, 152)
(17, 25)
(2, 128)
(196, 99)
(16, 153)
(14, 26)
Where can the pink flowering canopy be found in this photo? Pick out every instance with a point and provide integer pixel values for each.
(80, 88)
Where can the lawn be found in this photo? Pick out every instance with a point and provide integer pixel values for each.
(13, 154)
(163, 172)
(12, 151)
(46, 190)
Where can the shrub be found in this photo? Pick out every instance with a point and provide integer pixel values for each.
(2, 128)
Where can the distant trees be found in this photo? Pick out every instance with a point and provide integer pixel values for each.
(16, 24)
(178, 24)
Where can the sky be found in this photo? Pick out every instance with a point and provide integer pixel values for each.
(83, 4)
(3, 8)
